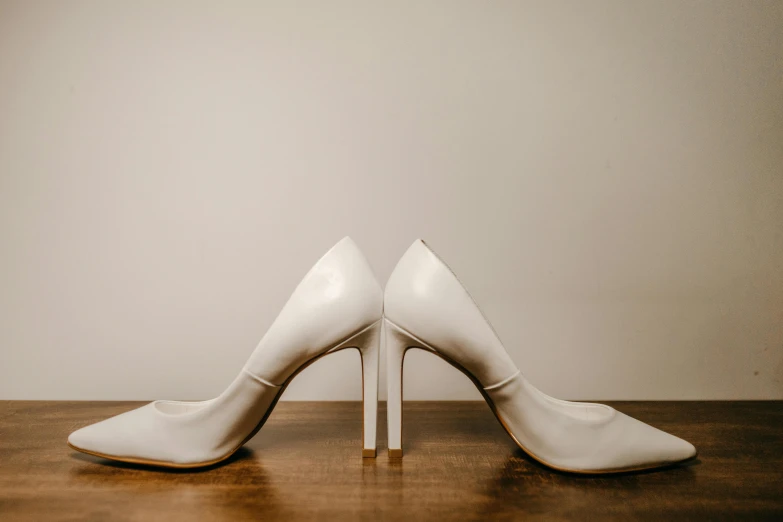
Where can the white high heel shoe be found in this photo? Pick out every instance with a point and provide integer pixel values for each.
(337, 305)
(426, 307)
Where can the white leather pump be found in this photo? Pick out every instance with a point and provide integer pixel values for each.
(337, 305)
(426, 307)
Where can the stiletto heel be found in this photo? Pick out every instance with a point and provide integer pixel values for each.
(368, 342)
(337, 305)
(426, 306)
(371, 354)
(397, 343)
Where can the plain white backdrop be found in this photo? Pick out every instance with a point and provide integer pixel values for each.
(606, 178)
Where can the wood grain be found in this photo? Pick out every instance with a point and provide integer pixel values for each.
(459, 465)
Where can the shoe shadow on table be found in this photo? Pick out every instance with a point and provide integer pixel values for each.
(144, 492)
(523, 485)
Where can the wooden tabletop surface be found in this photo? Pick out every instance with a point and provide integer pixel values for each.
(459, 465)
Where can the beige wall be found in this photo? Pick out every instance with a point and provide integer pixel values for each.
(605, 177)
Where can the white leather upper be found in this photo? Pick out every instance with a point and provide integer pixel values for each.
(426, 301)
(424, 297)
(339, 297)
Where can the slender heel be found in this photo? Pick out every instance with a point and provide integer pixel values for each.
(397, 343)
(368, 342)
(370, 354)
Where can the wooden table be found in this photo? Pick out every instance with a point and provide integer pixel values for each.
(459, 465)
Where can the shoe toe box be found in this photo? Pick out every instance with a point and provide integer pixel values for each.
(641, 446)
(122, 436)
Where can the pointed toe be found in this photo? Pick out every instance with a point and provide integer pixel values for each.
(692, 451)
(682, 450)
(94, 438)
(649, 447)
(79, 439)
(664, 448)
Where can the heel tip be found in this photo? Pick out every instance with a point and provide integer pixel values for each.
(368, 453)
(395, 453)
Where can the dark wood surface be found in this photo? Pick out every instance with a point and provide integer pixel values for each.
(459, 465)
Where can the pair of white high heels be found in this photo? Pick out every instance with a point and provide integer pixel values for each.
(339, 304)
